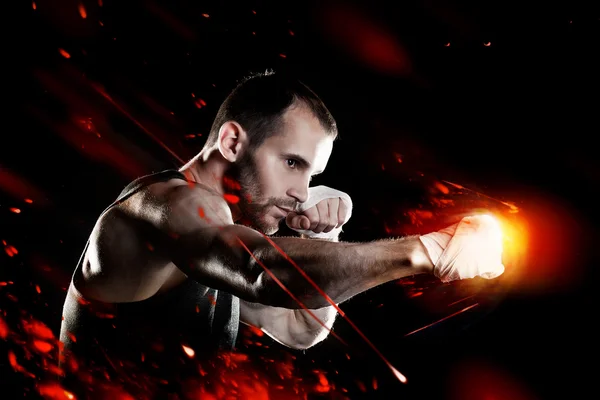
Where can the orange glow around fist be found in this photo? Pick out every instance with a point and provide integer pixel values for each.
(541, 244)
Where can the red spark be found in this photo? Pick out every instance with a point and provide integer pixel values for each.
(231, 198)
(442, 319)
(12, 359)
(34, 6)
(487, 44)
(282, 55)
(441, 187)
(231, 184)
(11, 250)
(37, 289)
(54, 391)
(205, 15)
(82, 11)
(64, 53)
(37, 329)
(3, 329)
(28, 201)
(15, 210)
(323, 385)
(42, 346)
(255, 330)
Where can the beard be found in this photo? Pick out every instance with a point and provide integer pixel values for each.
(253, 206)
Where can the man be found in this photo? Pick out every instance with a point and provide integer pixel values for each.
(182, 257)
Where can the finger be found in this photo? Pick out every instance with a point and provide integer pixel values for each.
(332, 215)
(313, 216)
(342, 213)
(323, 209)
(297, 221)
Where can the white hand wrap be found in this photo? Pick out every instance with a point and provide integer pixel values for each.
(315, 195)
(470, 248)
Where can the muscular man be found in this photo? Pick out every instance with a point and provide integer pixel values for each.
(181, 257)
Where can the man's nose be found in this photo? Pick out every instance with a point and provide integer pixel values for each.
(299, 192)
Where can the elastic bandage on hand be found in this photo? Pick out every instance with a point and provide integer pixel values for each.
(317, 194)
(470, 248)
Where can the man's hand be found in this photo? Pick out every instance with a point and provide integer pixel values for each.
(323, 214)
(468, 249)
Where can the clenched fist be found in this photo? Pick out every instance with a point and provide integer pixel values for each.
(323, 214)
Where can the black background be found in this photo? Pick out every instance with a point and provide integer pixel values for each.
(500, 97)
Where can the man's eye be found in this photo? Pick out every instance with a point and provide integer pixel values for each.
(291, 163)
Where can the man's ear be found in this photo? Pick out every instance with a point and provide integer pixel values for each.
(232, 141)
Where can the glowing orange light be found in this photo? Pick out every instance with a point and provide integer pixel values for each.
(189, 351)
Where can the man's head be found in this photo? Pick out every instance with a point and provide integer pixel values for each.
(276, 133)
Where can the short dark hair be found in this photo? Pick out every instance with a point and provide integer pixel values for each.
(258, 103)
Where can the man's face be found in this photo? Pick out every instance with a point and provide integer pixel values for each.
(275, 179)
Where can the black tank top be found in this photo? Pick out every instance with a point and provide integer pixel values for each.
(150, 346)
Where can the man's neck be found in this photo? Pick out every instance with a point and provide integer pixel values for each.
(208, 169)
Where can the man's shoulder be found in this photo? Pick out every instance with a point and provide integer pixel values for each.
(175, 200)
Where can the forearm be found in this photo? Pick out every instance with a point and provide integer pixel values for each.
(340, 270)
(254, 268)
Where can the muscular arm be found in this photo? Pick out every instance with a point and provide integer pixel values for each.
(191, 229)
(208, 247)
(297, 328)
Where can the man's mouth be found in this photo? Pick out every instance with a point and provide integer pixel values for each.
(284, 211)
